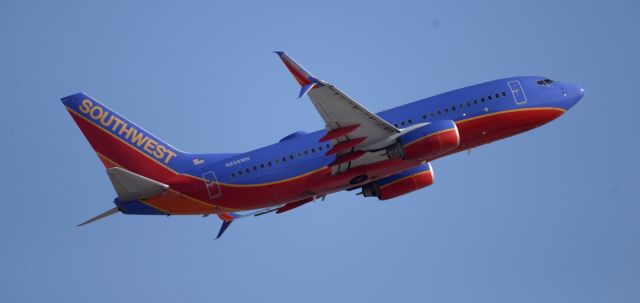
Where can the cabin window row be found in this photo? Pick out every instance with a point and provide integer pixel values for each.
(279, 160)
(453, 108)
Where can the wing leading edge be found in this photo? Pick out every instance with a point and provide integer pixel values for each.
(353, 129)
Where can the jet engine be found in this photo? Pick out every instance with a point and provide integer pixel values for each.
(430, 141)
(400, 184)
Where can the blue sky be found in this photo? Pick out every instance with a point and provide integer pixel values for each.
(547, 216)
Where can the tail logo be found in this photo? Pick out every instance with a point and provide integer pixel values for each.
(130, 134)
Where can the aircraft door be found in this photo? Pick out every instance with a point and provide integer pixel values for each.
(518, 93)
(211, 182)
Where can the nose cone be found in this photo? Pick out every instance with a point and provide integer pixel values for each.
(573, 94)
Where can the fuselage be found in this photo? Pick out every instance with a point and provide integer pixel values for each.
(296, 168)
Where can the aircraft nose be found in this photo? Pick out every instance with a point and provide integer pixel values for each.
(579, 92)
(573, 95)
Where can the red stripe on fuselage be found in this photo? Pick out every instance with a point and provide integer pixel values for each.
(188, 194)
(495, 126)
(172, 201)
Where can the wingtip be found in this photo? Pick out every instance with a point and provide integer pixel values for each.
(223, 228)
(305, 89)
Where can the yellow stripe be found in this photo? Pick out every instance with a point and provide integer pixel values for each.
(187, 175)
(433, 134)
(125, 142)
(299, 176)
(158, 208)
(174, 191)
(511, 111)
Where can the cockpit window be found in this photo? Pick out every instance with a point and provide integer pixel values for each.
(545, 82)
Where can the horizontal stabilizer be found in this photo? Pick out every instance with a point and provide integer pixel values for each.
(131, 186)
(305, 89)
(100, 216)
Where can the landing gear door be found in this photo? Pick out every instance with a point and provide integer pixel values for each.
(517, 92)
(211, 182)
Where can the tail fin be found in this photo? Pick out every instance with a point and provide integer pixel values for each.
(121, 143)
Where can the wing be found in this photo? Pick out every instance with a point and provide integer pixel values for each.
(356, 132)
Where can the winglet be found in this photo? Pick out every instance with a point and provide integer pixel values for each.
(305, 89)
(299, 73)
(224, 226)
(304, 78)
(227, 219)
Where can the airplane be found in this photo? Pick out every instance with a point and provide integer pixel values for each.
(385, 155)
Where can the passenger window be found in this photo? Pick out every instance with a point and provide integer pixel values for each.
(489, 96)
(504, 94)
(453, 108)
(482, 99)
(261, 165)
(247, 170)
(439, 113)
(233, 175)
(468, 104)
(291, 157)
(402, 123)
(432, 114)
(475, 101)
(255, 168)
(277, 161)
(328, 145)
(424, 116)
(320, 147)
(306, 152)
(410, 121)
(313, 150)
(396, 125)
(284, 159)
(460, 105)
(299, 155)
(497, 95)
(269, 163)
(446, 110)
(240, 172)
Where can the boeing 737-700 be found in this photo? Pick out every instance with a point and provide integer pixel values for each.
(383, 155)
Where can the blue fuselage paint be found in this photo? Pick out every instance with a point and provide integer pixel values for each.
(302, 153)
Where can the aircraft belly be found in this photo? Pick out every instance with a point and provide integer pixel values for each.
(491, 127)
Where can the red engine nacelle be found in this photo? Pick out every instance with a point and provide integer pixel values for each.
(400, 184)
(431, 140)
